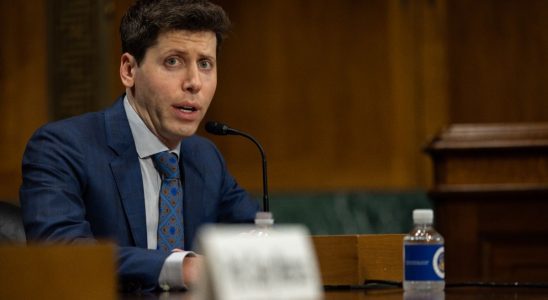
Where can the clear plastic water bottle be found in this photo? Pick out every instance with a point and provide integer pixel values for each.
(423, 255)
(263, 224)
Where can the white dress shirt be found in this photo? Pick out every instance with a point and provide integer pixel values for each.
(147, 144)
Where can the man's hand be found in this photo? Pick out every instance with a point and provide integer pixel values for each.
(192, 268)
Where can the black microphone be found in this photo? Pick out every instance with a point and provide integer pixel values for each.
(223, 129)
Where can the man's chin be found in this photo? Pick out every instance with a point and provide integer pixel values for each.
(187, 132)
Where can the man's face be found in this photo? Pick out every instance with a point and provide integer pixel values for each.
(174, 84)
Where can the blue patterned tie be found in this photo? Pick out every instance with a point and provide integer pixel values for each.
(170, 222)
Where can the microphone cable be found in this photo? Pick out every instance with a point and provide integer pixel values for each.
(387, 284)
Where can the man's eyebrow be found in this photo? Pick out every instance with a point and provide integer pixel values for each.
(176, 51)
(185, 53)
(206, 56)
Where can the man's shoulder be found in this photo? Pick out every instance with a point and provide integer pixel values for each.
(197, 143)
(90, 121)
(198, 146)
(79, 121)
(83, 126)
(79, 128)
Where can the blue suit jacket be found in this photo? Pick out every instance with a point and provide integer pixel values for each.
(82, 182)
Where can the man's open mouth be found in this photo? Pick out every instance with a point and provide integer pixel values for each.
(186, 108)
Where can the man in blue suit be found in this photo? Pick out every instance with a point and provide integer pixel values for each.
(92, 177)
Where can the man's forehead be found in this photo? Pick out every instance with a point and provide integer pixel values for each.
(204, 40)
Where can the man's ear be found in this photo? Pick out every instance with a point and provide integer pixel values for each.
(127, 69)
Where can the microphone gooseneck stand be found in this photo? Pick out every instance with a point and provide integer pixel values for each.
(216, 128)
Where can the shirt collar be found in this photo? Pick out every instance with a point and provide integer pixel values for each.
(146, 142)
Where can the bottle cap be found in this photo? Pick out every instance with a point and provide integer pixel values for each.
(423, 216)
(264, 218)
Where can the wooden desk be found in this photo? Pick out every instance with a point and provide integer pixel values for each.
(391, 294)
(58, 272)
(352, 259)
(490, 195)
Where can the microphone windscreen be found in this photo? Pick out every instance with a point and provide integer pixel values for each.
(216, 128)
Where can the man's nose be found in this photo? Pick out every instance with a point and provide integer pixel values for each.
(192, 81)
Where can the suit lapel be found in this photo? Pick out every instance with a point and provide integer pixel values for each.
(127, 171)
(192, 194)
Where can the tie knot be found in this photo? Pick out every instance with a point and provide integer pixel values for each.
(166, 163)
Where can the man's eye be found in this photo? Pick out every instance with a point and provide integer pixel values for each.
(172, 61)
(205, 64)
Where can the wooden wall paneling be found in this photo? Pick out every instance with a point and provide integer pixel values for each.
(80, 68)
(330, 88)
(23, 87)
(433, 97)
(110, 47)
(119, 7)
(302, 76)
(404, 70)
(497, 53)
(419, 79)
(341, 93)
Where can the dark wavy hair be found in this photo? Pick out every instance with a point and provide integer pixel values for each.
(146, 19)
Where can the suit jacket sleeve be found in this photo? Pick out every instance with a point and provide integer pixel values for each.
(58, 204)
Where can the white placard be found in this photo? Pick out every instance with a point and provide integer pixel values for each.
(242, 263)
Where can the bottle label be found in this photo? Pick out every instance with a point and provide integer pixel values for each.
(424, 262)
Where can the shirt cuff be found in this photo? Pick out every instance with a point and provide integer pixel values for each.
(171, 275)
